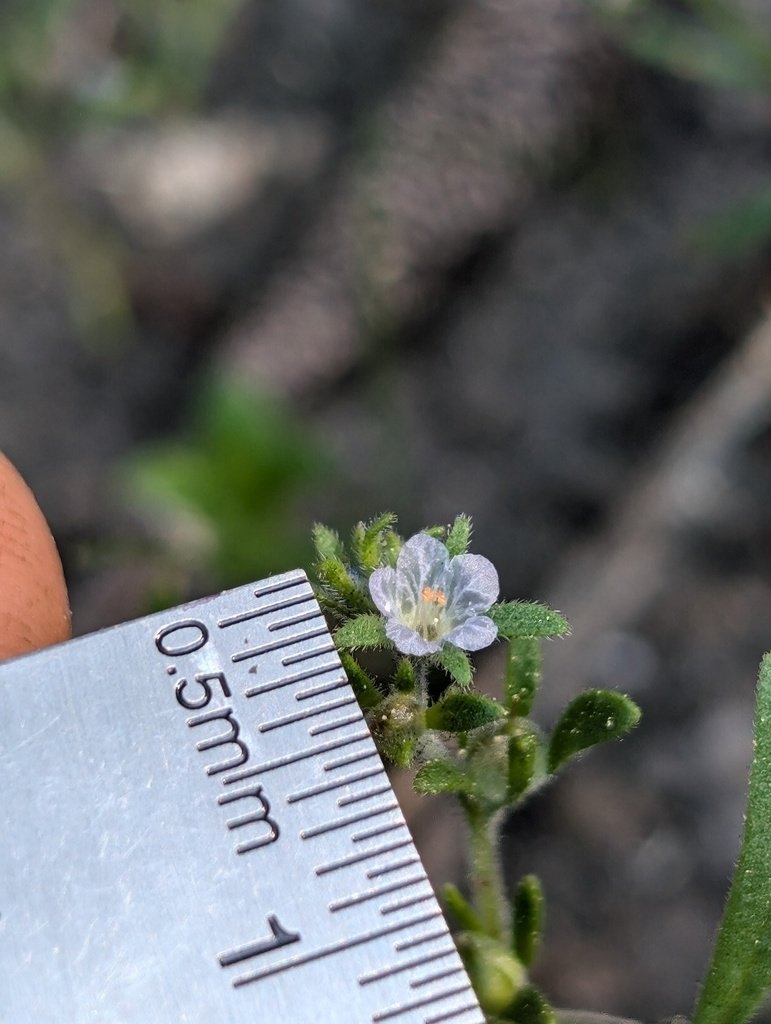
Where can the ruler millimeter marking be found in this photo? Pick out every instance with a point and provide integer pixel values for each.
(197, 827)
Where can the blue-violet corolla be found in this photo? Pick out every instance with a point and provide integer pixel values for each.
(431, 599)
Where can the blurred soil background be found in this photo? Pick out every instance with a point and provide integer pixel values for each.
(264, 262)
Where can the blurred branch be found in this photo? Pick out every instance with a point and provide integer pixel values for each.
(612, 582)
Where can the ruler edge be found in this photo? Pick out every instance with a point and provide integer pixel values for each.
(62, 648)
(85, 638)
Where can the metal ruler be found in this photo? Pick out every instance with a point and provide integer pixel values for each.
(195, 826)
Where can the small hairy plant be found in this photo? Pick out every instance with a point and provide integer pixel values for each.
(406, 615)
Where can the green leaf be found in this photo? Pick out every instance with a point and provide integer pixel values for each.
(593, 717)
(528, 918)
(486, 766)
(327, 543)
(461, 909)
(527, 618)
(392, 545)
(462, 712)
(530, 1007)
(363, 631)
(739, 975)
(367, 694)
(404, 677)
(523, 675)
(367, 541)
(442, 776)
(457, 664)
(523, 749)
(334, 576)
(495, 973)
(459, 536)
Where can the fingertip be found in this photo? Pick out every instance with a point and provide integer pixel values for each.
(34, 608)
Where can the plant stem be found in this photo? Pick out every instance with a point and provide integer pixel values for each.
(421, 682)
(485, 869)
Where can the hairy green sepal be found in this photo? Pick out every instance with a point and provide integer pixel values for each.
(368, 541)
(367, 694)
(337, 582)
(456, 663)
(327, 542)
(459, 536)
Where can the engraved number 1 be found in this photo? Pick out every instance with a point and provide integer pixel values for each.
(280, 937)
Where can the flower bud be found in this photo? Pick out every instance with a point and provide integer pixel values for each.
(396, 725)
(495, 973)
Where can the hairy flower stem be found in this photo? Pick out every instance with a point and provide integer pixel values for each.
(485, 868)
(421, 682)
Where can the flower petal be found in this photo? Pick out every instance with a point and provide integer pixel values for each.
(382, 587)
(408, 641)
(473, 634)
(474, 586)
(429, 594)
(422, 561)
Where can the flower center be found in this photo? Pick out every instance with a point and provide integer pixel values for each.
(433, 596)
(430, 612)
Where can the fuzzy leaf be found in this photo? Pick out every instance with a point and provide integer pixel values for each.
(337, 580)
(367, 541)
(527, 618)
(367, 694)
(327, 542)
(404, 677)
(523, 675)
(363, 631)
(530, 1007)
(462, 712)
(457, 664)
(528, 918)
(392, 545)
(523, 748)
(740, 973)
(486, 760)
(459, 536)
(593, 717)
(442, 776)
(495, 973)
(461, 909)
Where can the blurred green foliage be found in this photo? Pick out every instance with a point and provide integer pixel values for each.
(93, 59)
(222, 495)
(714, 43)
(71, 66)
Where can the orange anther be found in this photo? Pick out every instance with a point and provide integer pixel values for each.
(434, 596)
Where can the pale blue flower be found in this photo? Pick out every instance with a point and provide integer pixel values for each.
(430, 599)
